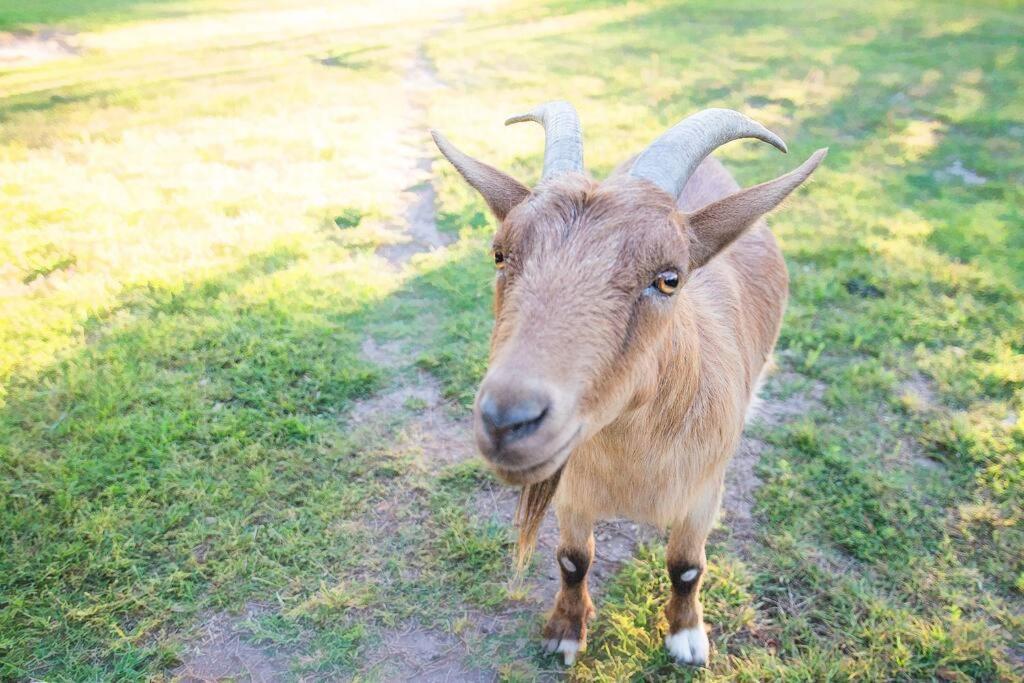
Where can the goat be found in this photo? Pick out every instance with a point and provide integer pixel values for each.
(632, 320)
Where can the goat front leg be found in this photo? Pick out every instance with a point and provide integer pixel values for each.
(687, 639)
(566, 630)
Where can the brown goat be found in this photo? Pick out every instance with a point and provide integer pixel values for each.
(633, 318)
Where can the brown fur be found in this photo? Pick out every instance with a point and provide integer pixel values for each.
(648, 392)
(573, 608)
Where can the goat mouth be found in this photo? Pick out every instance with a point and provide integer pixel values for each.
(540, 471)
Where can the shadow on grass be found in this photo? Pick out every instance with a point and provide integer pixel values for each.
(195, 455)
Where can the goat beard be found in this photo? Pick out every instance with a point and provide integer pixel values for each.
(534, 501)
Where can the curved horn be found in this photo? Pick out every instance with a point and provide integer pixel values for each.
(673, 157)
(563, 146)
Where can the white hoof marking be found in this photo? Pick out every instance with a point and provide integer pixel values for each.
(689, 646)
(568, 648)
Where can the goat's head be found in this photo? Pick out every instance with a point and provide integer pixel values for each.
(589, 277)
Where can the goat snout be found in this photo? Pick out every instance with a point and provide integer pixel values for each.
(508, 418)
(525, 427)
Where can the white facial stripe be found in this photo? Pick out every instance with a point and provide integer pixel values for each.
(689, 575)
(567, 563)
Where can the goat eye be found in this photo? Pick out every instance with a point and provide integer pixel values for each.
(667, 282)
(499, 259)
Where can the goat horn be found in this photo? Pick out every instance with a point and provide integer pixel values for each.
(563, 135)
(673, 157)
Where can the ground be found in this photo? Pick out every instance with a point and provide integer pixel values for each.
(244, 306)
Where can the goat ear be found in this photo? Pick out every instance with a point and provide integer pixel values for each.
(502, 192)
(715, 226)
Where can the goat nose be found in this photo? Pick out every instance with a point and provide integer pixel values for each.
(509, 420)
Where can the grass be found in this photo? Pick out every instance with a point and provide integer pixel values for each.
(193, 207)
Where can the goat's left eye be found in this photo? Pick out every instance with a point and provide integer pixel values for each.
(499, 259)
(667, 282)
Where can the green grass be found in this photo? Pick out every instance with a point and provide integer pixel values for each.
(189, 277)
(77, 15)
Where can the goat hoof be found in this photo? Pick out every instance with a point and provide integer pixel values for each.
(568, 648)
(565, 636)
(689, 646)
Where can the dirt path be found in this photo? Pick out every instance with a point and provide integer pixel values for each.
(26, 49)
(420, 228)
(442, 436)
(224, 651)
(439, 433)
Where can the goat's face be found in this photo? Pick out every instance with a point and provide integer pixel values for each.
(587, 278)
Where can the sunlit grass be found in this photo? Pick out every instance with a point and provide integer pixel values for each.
(204, 156)
(192, 210)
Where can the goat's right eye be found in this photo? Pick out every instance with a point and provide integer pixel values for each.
(499, 259)
(667, 282)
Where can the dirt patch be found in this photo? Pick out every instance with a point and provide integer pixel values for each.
(418, 419)
(423, 392)
(420, 222)
(960, 172)
(741, 480)
(442, 439)
(223, 652)
(615, 544)
(420, 227)
(388, 354)
(805, 398)
(420, 654)
(910, 451)
(917, 393)
(741, 484)
(22, 49)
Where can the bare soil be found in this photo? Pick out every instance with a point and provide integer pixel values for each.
(223, 652)
(436, 431)
(429, 655)
(24, 49)
(741, 480)
(420, 229)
